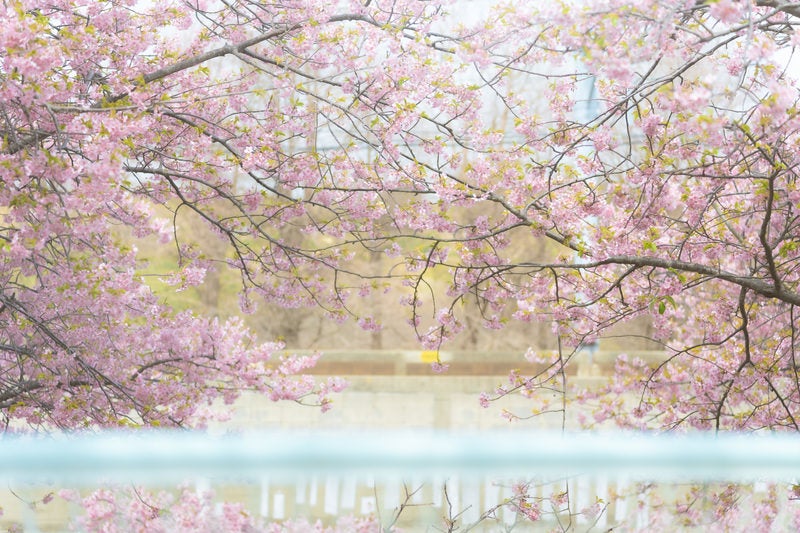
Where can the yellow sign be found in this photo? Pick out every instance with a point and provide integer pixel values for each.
(429, 356)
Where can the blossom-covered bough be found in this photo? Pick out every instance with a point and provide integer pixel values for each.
(445, 135)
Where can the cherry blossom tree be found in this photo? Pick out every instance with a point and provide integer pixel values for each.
(85, 342)
(135, 509)
(654, 144)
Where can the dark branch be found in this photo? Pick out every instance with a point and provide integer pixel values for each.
(754, 284)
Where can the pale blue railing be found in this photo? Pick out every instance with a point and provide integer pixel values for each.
(327, 474)
(165, 456)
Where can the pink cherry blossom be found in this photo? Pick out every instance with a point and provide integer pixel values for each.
(577, 166)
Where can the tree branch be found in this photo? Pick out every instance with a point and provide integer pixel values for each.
(748, 282)
(790, 8)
